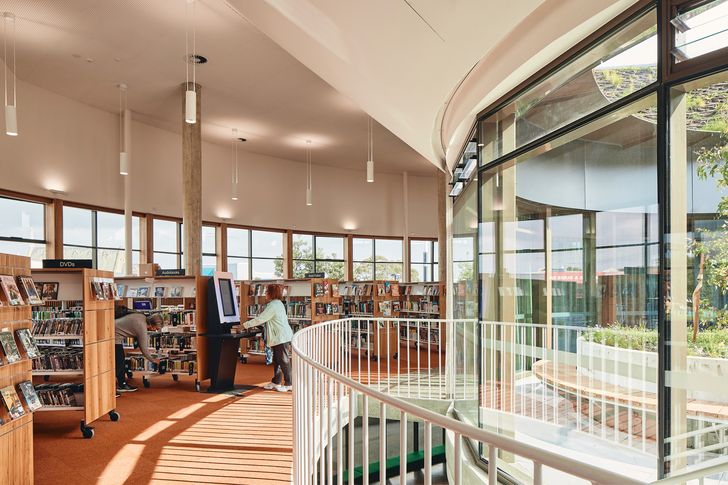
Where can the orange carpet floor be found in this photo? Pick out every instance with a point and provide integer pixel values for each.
(171, 435)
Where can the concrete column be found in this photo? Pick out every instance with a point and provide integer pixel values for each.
(406, 242)
(192, 186)
(128, 220)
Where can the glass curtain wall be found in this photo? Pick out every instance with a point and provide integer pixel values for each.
(603, 212)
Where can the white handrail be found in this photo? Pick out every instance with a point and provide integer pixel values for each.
(539, 456)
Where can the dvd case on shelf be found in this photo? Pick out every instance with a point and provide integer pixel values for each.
(31, 397)
(12, 402)
(26, 339)
(10, 348)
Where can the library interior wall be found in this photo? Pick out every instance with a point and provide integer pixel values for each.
(69, 146)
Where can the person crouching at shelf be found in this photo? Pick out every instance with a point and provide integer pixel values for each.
(279, 335)
(132, 325)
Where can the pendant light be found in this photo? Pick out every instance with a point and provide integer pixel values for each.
(370, 153)
(123, 154)
(309, 185)
(11, 113)
(234, 164)
(190, 94)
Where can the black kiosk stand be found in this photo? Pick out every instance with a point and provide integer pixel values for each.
(222, 314)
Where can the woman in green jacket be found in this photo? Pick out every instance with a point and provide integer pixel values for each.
(279, 334)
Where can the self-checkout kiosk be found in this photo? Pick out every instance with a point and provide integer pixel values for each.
(223, 313)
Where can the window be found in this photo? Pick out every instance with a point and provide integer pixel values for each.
(699, 30)
(423, 261)
(266, 254)
(209, 250)
(318, 254)
(238, 251)
(99, 236)
(254, 254)
(167, 243)
(621, 64)
(379, 259)
(22, 229)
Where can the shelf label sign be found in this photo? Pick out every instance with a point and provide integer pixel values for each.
(68, 263)
(170, 272)
(316, 275)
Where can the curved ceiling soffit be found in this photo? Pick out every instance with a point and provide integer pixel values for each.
(519, 55)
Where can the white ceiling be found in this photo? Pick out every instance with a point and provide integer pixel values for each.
(249, 83)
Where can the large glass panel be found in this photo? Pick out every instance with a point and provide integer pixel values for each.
(237, 242)
(77, 226)
(22, 219)
(110, 230)
(75, 252)
(700, 30)
(302, 247)
(267, 244)
(696, 330)
(421, 251)
(621, 64)
(388, 250)
(569, 294)
(363, 249)
(239, 267)
(333, 269)
(209, 240)
(330, 248)
(266, 269)
(166, 260)
(36, 252)
(166, 236)
(389, 271)
(209, 265)
(363, 271)
(300, 268)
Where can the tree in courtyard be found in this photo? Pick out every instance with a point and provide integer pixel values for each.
(711, 247)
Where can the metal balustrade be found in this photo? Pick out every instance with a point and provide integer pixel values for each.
(413, 371)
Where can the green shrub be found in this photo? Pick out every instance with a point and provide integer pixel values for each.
(711, 342)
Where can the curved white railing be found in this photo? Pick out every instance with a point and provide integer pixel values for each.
(379, 368)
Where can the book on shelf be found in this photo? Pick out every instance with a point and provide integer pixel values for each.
(318, 290)
(29, 289)
(395, 289)
(11, 291)
(59, 360)
(142, 292)
(114, 291)
(385, 308)
(48, 290)
(395, 306)
(108, 292)
(31, 397)
(98, 289)
(121, 290)
(132, 292)
(159, 291)
(176, 292)
(64, 395)
(12, 402)
(10, 348)
(327, 288)
(335, 290)
(31, 349)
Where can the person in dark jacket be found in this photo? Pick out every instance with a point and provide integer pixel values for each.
(131, 324)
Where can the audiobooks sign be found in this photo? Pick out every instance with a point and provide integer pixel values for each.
(68, 263)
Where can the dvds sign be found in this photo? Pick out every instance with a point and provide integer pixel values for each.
(68, 263)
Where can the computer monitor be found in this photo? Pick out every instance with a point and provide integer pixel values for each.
(226, 296)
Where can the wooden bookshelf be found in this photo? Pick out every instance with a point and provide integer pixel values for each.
(98, 374)
(324, 295)
(369, 301)
(422, 301)
(298, 294)
(16, 435)
(181, 302)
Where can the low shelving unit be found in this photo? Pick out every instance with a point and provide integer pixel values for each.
(75, 332)
(178, 301)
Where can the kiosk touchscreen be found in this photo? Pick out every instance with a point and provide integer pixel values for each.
(223, 312)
